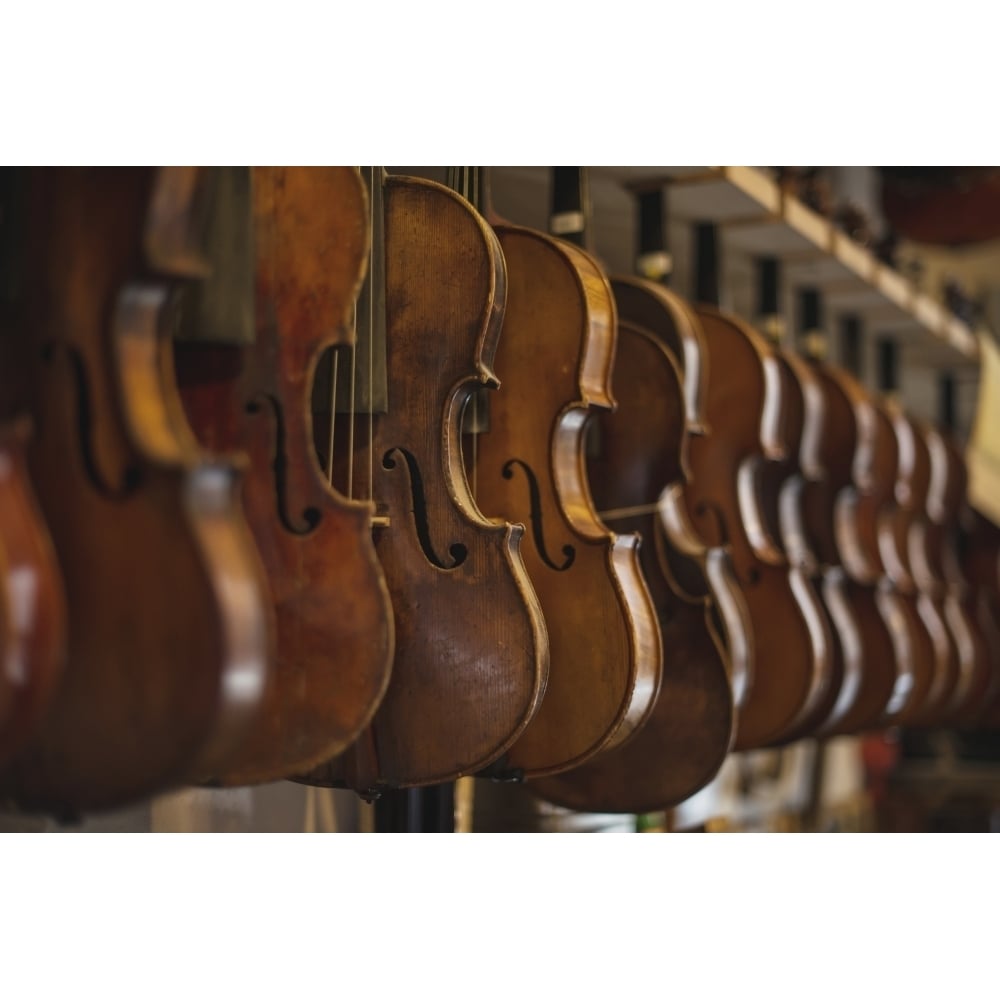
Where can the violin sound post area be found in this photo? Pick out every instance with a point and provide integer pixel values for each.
(512, 499)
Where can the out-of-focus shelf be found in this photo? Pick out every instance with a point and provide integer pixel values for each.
(756, 216)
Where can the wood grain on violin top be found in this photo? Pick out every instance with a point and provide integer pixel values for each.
(554, 362)
(333, 618)
(471, 649)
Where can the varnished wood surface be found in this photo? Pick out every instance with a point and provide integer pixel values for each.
(869, 655)
(471, 656)
(790, 653)
(333, 619)
(641, 450)
(555, 362)
(167, 638)
(33, 609)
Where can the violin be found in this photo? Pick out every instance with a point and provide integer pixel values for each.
(471, 648)
(555, 363)
(33, 605)
(310, 234)
(978, 554)
(640, 451)
(790, 493)
(790, 647)
(850, 582)
(931, 657)
(167, 639)
(936, 561)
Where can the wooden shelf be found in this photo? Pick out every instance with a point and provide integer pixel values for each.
(758, 218)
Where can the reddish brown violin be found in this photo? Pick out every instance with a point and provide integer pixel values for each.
(311, 239)
(555, 362)
(471, 652)
(167, 638)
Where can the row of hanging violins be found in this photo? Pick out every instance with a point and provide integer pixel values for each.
(260, 519)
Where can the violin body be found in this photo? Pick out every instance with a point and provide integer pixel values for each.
(555, 362)
(931, 654)
(936, 560)
(790, 648)
(783, 493)
(33, 608)
(846, 452)
(471, 657)
(642, 451)
(333, 619)
(167, 656)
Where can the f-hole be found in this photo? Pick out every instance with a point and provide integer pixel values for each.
(131, 475)
(457, 550)
(537, 527)
(311, 516)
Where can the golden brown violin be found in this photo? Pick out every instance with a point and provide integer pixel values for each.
(640, 452)
(555, 362)
(333, 619)
(167, 658)
(471, 656)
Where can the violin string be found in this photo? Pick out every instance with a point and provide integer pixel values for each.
(617, 513)
(475, 394)
(371, 355)
(334, 358)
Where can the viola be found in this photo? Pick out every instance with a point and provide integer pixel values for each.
(640, 452)
(310, 233)
(167, 639)
(471, 658)
(555, 365)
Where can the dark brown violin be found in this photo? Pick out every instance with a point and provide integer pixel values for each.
(930, 660)
(167, 641)
(979, 557)
(849, 588)
(639, 451)
(791, 656)
(555, 362)
(936, 562)
(471, 657)
(310, 240)
(789, 493)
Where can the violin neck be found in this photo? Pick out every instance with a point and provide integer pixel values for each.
(850, 343)
(888, 365)
(769, 313)
(811, 332)
(570, 213)
(653, 260)
(706, 264)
